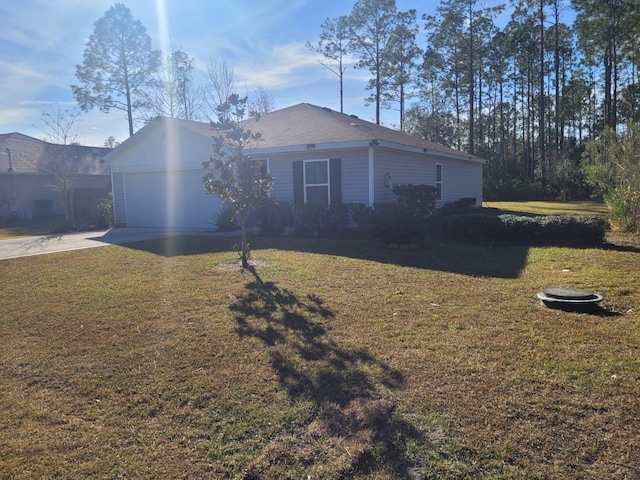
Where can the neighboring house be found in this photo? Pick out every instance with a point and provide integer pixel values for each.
(27, 174)
(314, 154)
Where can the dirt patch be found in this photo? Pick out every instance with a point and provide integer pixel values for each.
(237, 264)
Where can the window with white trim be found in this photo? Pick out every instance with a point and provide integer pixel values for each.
(316, 182)
(438, 181)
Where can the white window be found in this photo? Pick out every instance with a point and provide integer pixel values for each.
(316, 182)
(438, 181)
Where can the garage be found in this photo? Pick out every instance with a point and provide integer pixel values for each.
(169, 200)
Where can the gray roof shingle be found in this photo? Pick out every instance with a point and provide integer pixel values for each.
(309, 124)
(31, 155)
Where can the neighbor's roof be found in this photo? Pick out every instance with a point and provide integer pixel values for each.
(31, 155)
(304, 124)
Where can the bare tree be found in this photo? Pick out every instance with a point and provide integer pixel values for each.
(217, 86)
(261, 102)
(60, 126)
(59, 130)
(175, 95)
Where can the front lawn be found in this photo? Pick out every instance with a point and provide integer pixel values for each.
(332, 359)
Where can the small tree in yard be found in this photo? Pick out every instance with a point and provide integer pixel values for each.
(233, 175)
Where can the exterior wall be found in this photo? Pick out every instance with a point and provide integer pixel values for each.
(355, 173)
(460, 179)
(404, 168)
(18, 192)
(149, 196)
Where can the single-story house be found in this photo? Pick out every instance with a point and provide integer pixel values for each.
(28, 167)
(314, 154)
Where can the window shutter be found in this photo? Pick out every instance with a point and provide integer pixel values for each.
(298, 187)
(335, 171)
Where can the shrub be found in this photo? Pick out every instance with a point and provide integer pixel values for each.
(523, 230)
(276, 217)
(336, 217)
(460, 206)
(418, 200)
(100, 213)
(360, 214)
(624, 206)
(393, 223)
(310, 216)
(225, 221)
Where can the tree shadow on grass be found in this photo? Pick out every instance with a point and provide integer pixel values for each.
(349, 388)
(465, 259)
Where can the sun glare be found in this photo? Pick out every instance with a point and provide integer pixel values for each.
(172, 150)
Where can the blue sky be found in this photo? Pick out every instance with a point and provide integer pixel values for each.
(41, 42)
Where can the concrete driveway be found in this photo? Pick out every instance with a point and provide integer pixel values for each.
(27, 246)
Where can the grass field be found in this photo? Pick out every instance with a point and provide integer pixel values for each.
(331, 359)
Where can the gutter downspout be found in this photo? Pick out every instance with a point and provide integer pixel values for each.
(371, 177)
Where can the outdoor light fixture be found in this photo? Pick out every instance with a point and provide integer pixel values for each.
(373, 142)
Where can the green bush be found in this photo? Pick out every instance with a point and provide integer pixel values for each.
(523, 230)
(310, 216)
(417, 200)
(392, 223)
(336, 217)
(460, 206)
(360, 214)
(624, 206)
(276, 217)
(100, 213)
(225, 221)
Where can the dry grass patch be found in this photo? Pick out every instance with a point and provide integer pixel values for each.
(552, 207)
(333, 359)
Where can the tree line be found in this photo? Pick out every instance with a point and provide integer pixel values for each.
(541, 99)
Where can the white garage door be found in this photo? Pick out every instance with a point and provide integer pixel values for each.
(177, 200)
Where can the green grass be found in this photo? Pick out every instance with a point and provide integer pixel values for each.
(332, 359)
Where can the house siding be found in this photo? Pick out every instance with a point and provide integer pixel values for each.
(404, 168)
(119, 209)
(460, 179)
(355, 173)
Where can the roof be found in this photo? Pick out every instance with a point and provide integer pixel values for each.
(305, 124)
(31, 155)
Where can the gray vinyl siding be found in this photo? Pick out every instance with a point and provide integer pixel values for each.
(119, 207)
(355, 176)
(355, 173)
(460, 179)
(404, 168)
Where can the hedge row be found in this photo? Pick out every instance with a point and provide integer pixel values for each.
(523, 230)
